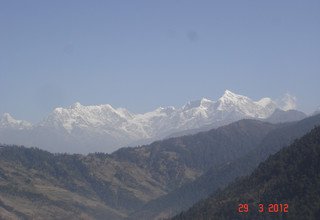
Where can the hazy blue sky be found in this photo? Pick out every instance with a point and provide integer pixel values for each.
(144, 54)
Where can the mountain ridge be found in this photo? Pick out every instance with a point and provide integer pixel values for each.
(291, 176)
(114, 186)
(219, 176)
(103, 128)
(111, 186)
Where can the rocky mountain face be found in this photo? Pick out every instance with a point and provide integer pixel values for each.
(289, 177)
(102, 128)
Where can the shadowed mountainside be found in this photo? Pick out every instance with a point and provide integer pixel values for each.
(218, 176)
(291, 176)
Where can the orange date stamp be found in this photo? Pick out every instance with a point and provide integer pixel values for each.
(269, 208)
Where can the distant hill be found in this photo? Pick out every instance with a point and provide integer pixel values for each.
(280, 116)
(291, 176)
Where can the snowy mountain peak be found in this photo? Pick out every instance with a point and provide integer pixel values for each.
(229, 93)
(106, 106)
(6, 117)
(205, 100)
(206, 103)
(265, 102)
(8, 121)
(169, 108)
(76, 105)
(288, 102)
(104, 128)
(232, 97)
(92, 116)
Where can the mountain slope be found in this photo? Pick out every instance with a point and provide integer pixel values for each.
(38, 184)
(280, 116)
(292, 176)
(34, 182)
(216, 177)
(102, 128)
(176, 161)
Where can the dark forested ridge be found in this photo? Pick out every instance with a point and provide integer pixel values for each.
(176, 161)
(291, 176)
(219, 176)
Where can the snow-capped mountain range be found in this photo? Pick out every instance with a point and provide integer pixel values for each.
(83, 129)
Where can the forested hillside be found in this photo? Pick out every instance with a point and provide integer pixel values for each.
(219, 176)
(37, 184)
(290, 178)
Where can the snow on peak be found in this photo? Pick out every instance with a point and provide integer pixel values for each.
(288, 102)
(265, 102)
(6, 117)
(166, 109)
(8, 121)
(229, 93)
(229, 96)
(204, 103)
(124, 113)
(230, 100)
(76, 105)
(103, 125)
(193, 114)
(243, 106)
